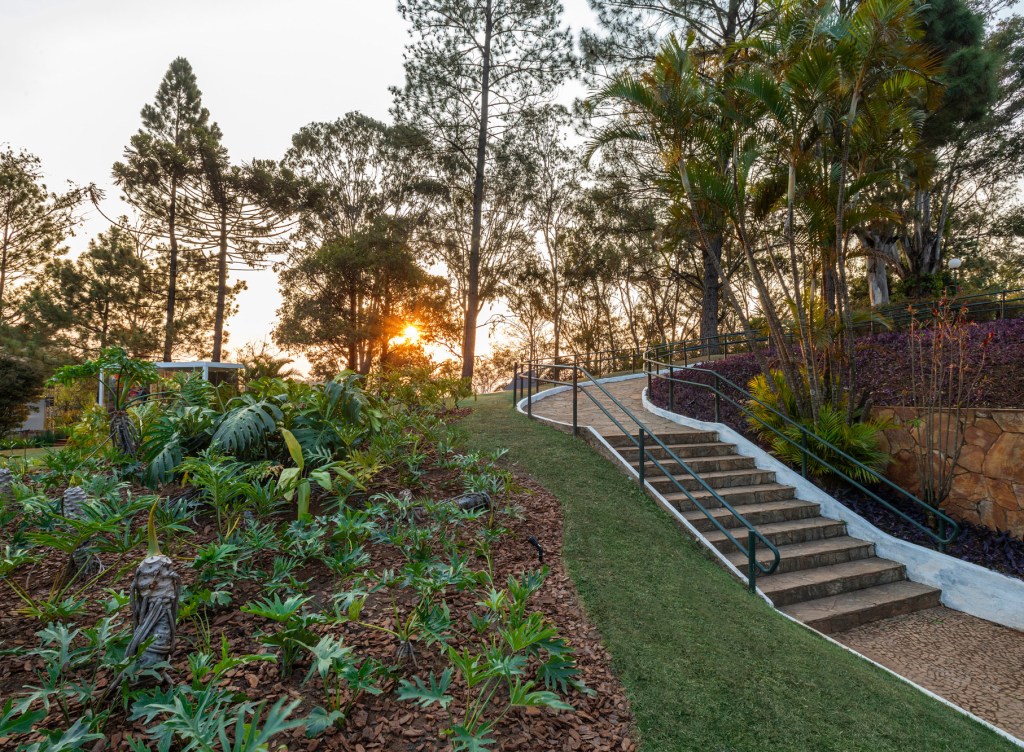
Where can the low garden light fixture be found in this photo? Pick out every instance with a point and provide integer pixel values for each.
(954, 265)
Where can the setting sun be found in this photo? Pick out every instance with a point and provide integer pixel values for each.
(410, 335)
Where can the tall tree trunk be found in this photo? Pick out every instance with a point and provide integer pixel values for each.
(172, 272)
(883, 251)
(473, 292)
(105, 326)
(353, 345)
(710, 302)
(222, 286)
(3, 275)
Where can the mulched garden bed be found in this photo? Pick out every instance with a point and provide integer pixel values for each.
(601, 720)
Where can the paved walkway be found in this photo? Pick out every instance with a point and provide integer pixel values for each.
(972, 662)
(559, 407)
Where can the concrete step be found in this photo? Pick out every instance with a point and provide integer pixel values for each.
(715, 480)
(848, 610)
(756, 514)
(816, 553)
(669, 439)
(701, 465)
(785, 533)
(739, 496)
(699, 449)
(822, 582)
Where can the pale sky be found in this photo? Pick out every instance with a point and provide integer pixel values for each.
(75, 74)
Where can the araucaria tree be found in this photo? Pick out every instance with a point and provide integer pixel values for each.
(474, 70)
(161, 158)
(234, 219)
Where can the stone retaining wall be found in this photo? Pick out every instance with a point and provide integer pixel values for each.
(988, 482)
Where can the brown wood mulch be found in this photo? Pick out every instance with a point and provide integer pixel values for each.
(601, 721)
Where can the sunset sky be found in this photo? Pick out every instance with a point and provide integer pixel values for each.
(77, 73)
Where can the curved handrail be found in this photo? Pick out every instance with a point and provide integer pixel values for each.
(994, 301)
(754, 566)
(946, 522)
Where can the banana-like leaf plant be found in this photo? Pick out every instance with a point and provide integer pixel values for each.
(297, 484)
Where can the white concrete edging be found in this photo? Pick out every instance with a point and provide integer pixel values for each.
(965, 586)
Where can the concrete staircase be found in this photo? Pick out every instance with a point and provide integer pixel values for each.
(825, 578)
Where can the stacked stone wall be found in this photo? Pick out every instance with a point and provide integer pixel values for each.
(988, 481)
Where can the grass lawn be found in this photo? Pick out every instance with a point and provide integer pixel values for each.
(26, 453)
(707, 666)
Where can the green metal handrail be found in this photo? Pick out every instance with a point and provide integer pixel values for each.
(754, 566)
(948, 527)
(996, 302)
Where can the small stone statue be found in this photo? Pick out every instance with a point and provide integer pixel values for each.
(71, 502)
(153, 598)
(6, 484)
(83, 561)
(473, 501)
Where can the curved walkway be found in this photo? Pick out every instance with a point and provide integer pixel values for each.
(969, 661)
(558, 407)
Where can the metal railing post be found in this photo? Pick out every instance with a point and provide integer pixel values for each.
(751, 561)
(643, 457)
(718, 399)
(1002, 304)
(515, 382)
(575, 395)
(529, 391)
(671, 386)
(647, 370)
(803, 452)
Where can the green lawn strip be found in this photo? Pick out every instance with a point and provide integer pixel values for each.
(25, 452)
(706, 665)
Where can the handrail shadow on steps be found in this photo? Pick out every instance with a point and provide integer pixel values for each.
(754, 566)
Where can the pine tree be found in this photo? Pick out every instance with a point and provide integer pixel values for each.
(473, 71)
(111, 295)
(33, 223)
(161, 158)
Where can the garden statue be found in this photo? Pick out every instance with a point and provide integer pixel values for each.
(473, 501)
(153, 598)
(6, 484)
(83, 561)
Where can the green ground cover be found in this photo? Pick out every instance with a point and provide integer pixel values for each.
(706, 665)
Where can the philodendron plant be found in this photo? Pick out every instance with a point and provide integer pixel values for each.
(154, 597)
(296, 484)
